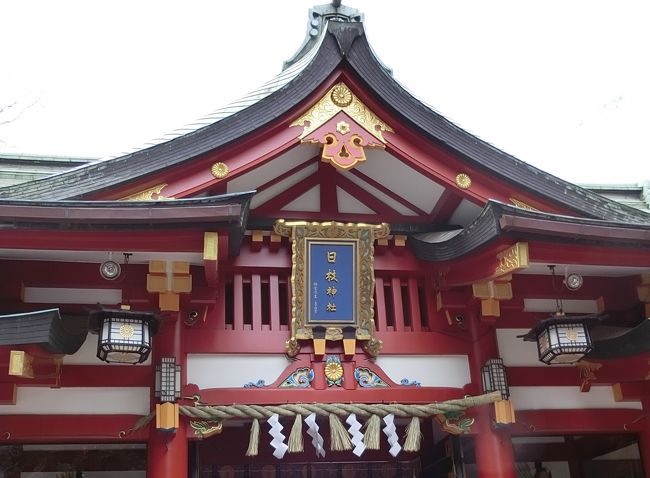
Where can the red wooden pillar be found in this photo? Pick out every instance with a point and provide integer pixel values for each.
(493, 447)
(644, 440)
(168, 452)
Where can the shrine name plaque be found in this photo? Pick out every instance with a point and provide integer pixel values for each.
(332, 281)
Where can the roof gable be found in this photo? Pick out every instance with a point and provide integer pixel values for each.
(342, 47)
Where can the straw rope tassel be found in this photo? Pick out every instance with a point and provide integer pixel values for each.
(371, 436)
(413, 436)
(254, 441)
(295, 437)
(339, 438)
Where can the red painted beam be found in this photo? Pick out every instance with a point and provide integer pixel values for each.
(7, 394)
(329, 203)
(265, 396)
(631, 369)
(567, 229)
(631, 391)
(107, 375)
(199, 339)
(87, 376)
(578, 421)
(152, 241)
(71, 428)
(543, 376)
(550, 253)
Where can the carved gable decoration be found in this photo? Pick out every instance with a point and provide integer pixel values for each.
(332, 283)
(344, 126)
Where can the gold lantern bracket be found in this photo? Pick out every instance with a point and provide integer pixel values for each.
(356, 319)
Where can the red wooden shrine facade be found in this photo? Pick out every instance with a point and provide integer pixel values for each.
(461, 273)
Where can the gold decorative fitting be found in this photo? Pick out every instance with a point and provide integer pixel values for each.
(333, 371)
(491, 293)
(342, 127)
(150, 194)
(340, 98)
(341, 95)
(206, 428)
(512, 259)
(219, 170)
(572, 335)
(126, 331)
(463, 181)
(587, 373)
(522, 204)
(169, 280)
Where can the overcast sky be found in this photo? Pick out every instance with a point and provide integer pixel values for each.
(563, 85)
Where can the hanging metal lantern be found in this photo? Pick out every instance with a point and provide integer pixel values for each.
(562, 340)
(124, 335)
(494, 377)
(168, 380)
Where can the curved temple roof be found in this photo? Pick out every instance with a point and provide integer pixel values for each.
(501, 220)
(336, 40)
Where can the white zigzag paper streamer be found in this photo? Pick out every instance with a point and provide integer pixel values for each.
(278, 438)
(316, 438)
(391, 433)
(355, 434)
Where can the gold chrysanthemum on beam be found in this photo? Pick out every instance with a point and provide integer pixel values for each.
(341, 96)
(334, 371)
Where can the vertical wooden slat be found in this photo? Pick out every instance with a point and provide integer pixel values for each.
(398, 311)
(220, 307)
(238, 302)
(431, 301)
(414, 305)
(274, 301)
(288, 311)
(380, 302)
(256, 298)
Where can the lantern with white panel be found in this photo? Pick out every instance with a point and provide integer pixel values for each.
(561, 339)
(495, 380)
(494, 377)
(168, 380)
(168, 390)
(124, 335)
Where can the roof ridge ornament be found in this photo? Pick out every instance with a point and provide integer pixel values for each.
(319, 15)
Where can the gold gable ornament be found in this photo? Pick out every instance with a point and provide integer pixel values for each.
(344, 126)
(333, 282)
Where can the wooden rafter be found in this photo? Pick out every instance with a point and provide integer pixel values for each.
(388, 192)
(445, 207)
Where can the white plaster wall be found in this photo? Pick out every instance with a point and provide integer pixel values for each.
(79, 401)
(515, 352)
(65, 295)
(569, 306)
(87, 355)
(430, 370)
(566, 398)
(222, 371)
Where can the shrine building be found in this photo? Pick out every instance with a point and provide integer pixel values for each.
(326, 278)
